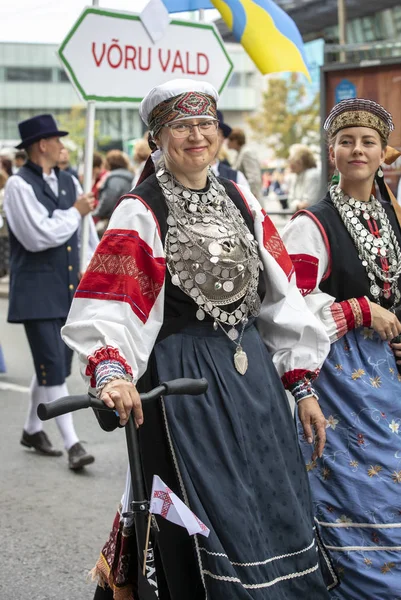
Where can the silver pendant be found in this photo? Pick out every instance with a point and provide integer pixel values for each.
(240, 361)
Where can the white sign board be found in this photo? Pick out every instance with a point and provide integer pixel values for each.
(110, 57)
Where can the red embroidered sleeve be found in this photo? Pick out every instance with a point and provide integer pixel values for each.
(351, 314)
(297, 375)
(274, 245)
(306, 271)
(124, 269)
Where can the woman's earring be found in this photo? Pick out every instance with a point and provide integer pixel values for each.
(335, 180)
(379, 172)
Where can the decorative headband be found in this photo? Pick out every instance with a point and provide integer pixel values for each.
(188, 104)
(358, 112)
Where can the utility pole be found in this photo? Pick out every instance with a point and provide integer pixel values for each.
(87, 183)
(342, 23)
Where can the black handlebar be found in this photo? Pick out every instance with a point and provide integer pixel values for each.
(191, 387)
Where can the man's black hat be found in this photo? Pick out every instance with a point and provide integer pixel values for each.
(38, 128)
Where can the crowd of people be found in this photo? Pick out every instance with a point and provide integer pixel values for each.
(188, 277)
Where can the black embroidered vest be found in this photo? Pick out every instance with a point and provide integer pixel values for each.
(348, 277)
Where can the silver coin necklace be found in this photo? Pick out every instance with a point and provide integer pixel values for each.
(212, 256)
(370, 247)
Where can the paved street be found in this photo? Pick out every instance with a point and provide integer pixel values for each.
(53, 522)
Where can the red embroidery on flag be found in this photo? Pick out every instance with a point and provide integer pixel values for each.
(167, 501)
(124, 269)
(274, 245)
(306, 270)
(201, 525)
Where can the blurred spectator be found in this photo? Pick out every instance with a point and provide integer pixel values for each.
(141, 154)
(19, 160)
(99, 174)
(63, 163)
(6, 165)
(304, 182)
(117, 183)
(221, 166)
(246, 161)
(277, 188)
(4, 243)
(266, 181)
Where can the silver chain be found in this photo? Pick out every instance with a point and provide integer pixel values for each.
(369, 247)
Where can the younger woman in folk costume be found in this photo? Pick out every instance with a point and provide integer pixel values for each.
(187, 269)
(346, 253)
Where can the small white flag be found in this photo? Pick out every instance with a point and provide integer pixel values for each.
(155, 19)
(166, 504)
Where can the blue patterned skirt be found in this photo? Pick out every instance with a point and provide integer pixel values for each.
(240, 470)
(356, 485)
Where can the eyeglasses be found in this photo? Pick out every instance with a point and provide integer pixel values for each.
(184, 130)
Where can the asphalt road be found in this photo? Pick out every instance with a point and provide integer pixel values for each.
(53, 522)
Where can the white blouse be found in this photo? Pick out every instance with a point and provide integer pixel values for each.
(117, 312)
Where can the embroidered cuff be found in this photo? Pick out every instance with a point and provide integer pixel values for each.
(294, 377)
(364, 303)
(108, 370)
(351, 314)
(302, 389)
(105, 354)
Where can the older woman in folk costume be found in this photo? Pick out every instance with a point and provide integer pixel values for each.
(188, 267)
(346, 252)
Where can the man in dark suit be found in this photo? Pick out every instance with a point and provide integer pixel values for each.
(44, 207)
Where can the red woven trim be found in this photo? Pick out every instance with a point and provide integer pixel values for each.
(123, 269)
(340, 321)
(105, 353)
(244, 199)
(274, 245)
(366, 312)
(348, 314)
(306, 271)
(296, 375)
(324, 236)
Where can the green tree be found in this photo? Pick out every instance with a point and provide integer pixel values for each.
(286, 117)
(75, 123)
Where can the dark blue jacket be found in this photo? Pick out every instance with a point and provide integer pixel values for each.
(227, 172)
(42, 284)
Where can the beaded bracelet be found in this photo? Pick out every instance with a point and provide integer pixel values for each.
(109, 370)
(303, 389)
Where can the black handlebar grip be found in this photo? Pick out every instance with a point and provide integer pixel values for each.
(191, 387)
(62, 406)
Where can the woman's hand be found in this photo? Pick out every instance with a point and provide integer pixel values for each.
(310, 415)
(384, 322)
(123, 397)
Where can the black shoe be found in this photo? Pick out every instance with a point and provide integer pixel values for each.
(40, 442)
(78, 457)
